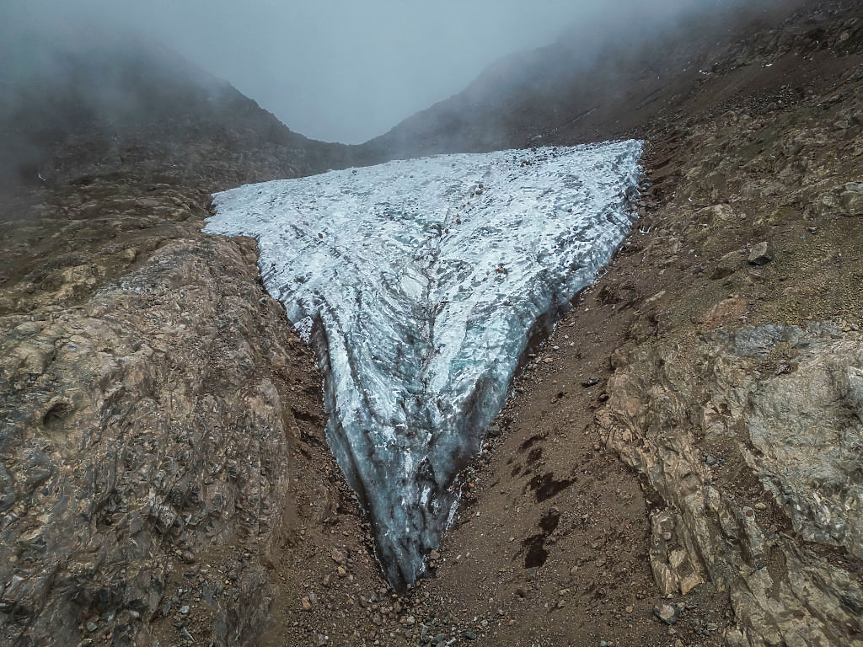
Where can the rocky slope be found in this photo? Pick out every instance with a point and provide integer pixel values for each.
(686, 441)
(125, 105)
(723, 525)
(153, 399)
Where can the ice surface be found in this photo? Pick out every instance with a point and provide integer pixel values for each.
(419, 282)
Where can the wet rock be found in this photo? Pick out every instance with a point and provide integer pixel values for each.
(107, 488)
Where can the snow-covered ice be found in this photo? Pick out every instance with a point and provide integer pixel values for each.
(419, 282)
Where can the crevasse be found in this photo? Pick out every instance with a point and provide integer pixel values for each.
(421, 281)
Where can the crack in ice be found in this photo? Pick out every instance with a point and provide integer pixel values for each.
(424, 279)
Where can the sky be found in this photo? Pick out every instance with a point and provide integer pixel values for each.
(343, 70)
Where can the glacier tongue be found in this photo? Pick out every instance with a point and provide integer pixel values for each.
(423, 279)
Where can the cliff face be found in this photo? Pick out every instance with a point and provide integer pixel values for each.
(734, 391)
(163, 472)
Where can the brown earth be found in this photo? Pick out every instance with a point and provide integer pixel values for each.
(166, 478)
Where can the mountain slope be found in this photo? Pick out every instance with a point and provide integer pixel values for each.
(717, 359)
(152, 397)
(164, 477)
(127, 103)
(588, 87)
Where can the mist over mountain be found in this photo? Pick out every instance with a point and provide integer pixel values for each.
(602, 77)
(340, 71)
(101, 70)
(79, 99)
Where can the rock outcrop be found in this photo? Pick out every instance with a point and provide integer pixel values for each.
(772, 406)
(142, 426)
(148, 384)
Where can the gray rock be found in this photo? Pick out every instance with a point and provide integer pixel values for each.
(852, 199)
(798, 432)
(668, 613)
(8, 496)
(103, 485)
(761, 254)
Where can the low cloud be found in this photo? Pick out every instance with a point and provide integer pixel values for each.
(337, 70)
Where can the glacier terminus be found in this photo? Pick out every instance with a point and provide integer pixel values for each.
(419, 283)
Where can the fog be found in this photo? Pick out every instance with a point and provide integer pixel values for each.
(339, 70)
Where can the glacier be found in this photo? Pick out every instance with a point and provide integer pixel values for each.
(419, 282)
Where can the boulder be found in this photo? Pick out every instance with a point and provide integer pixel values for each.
(728, 265)
(761, 254)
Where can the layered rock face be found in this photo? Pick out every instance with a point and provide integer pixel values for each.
(736, 392)
(147, 383)
(142, 425)
(775, 405)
